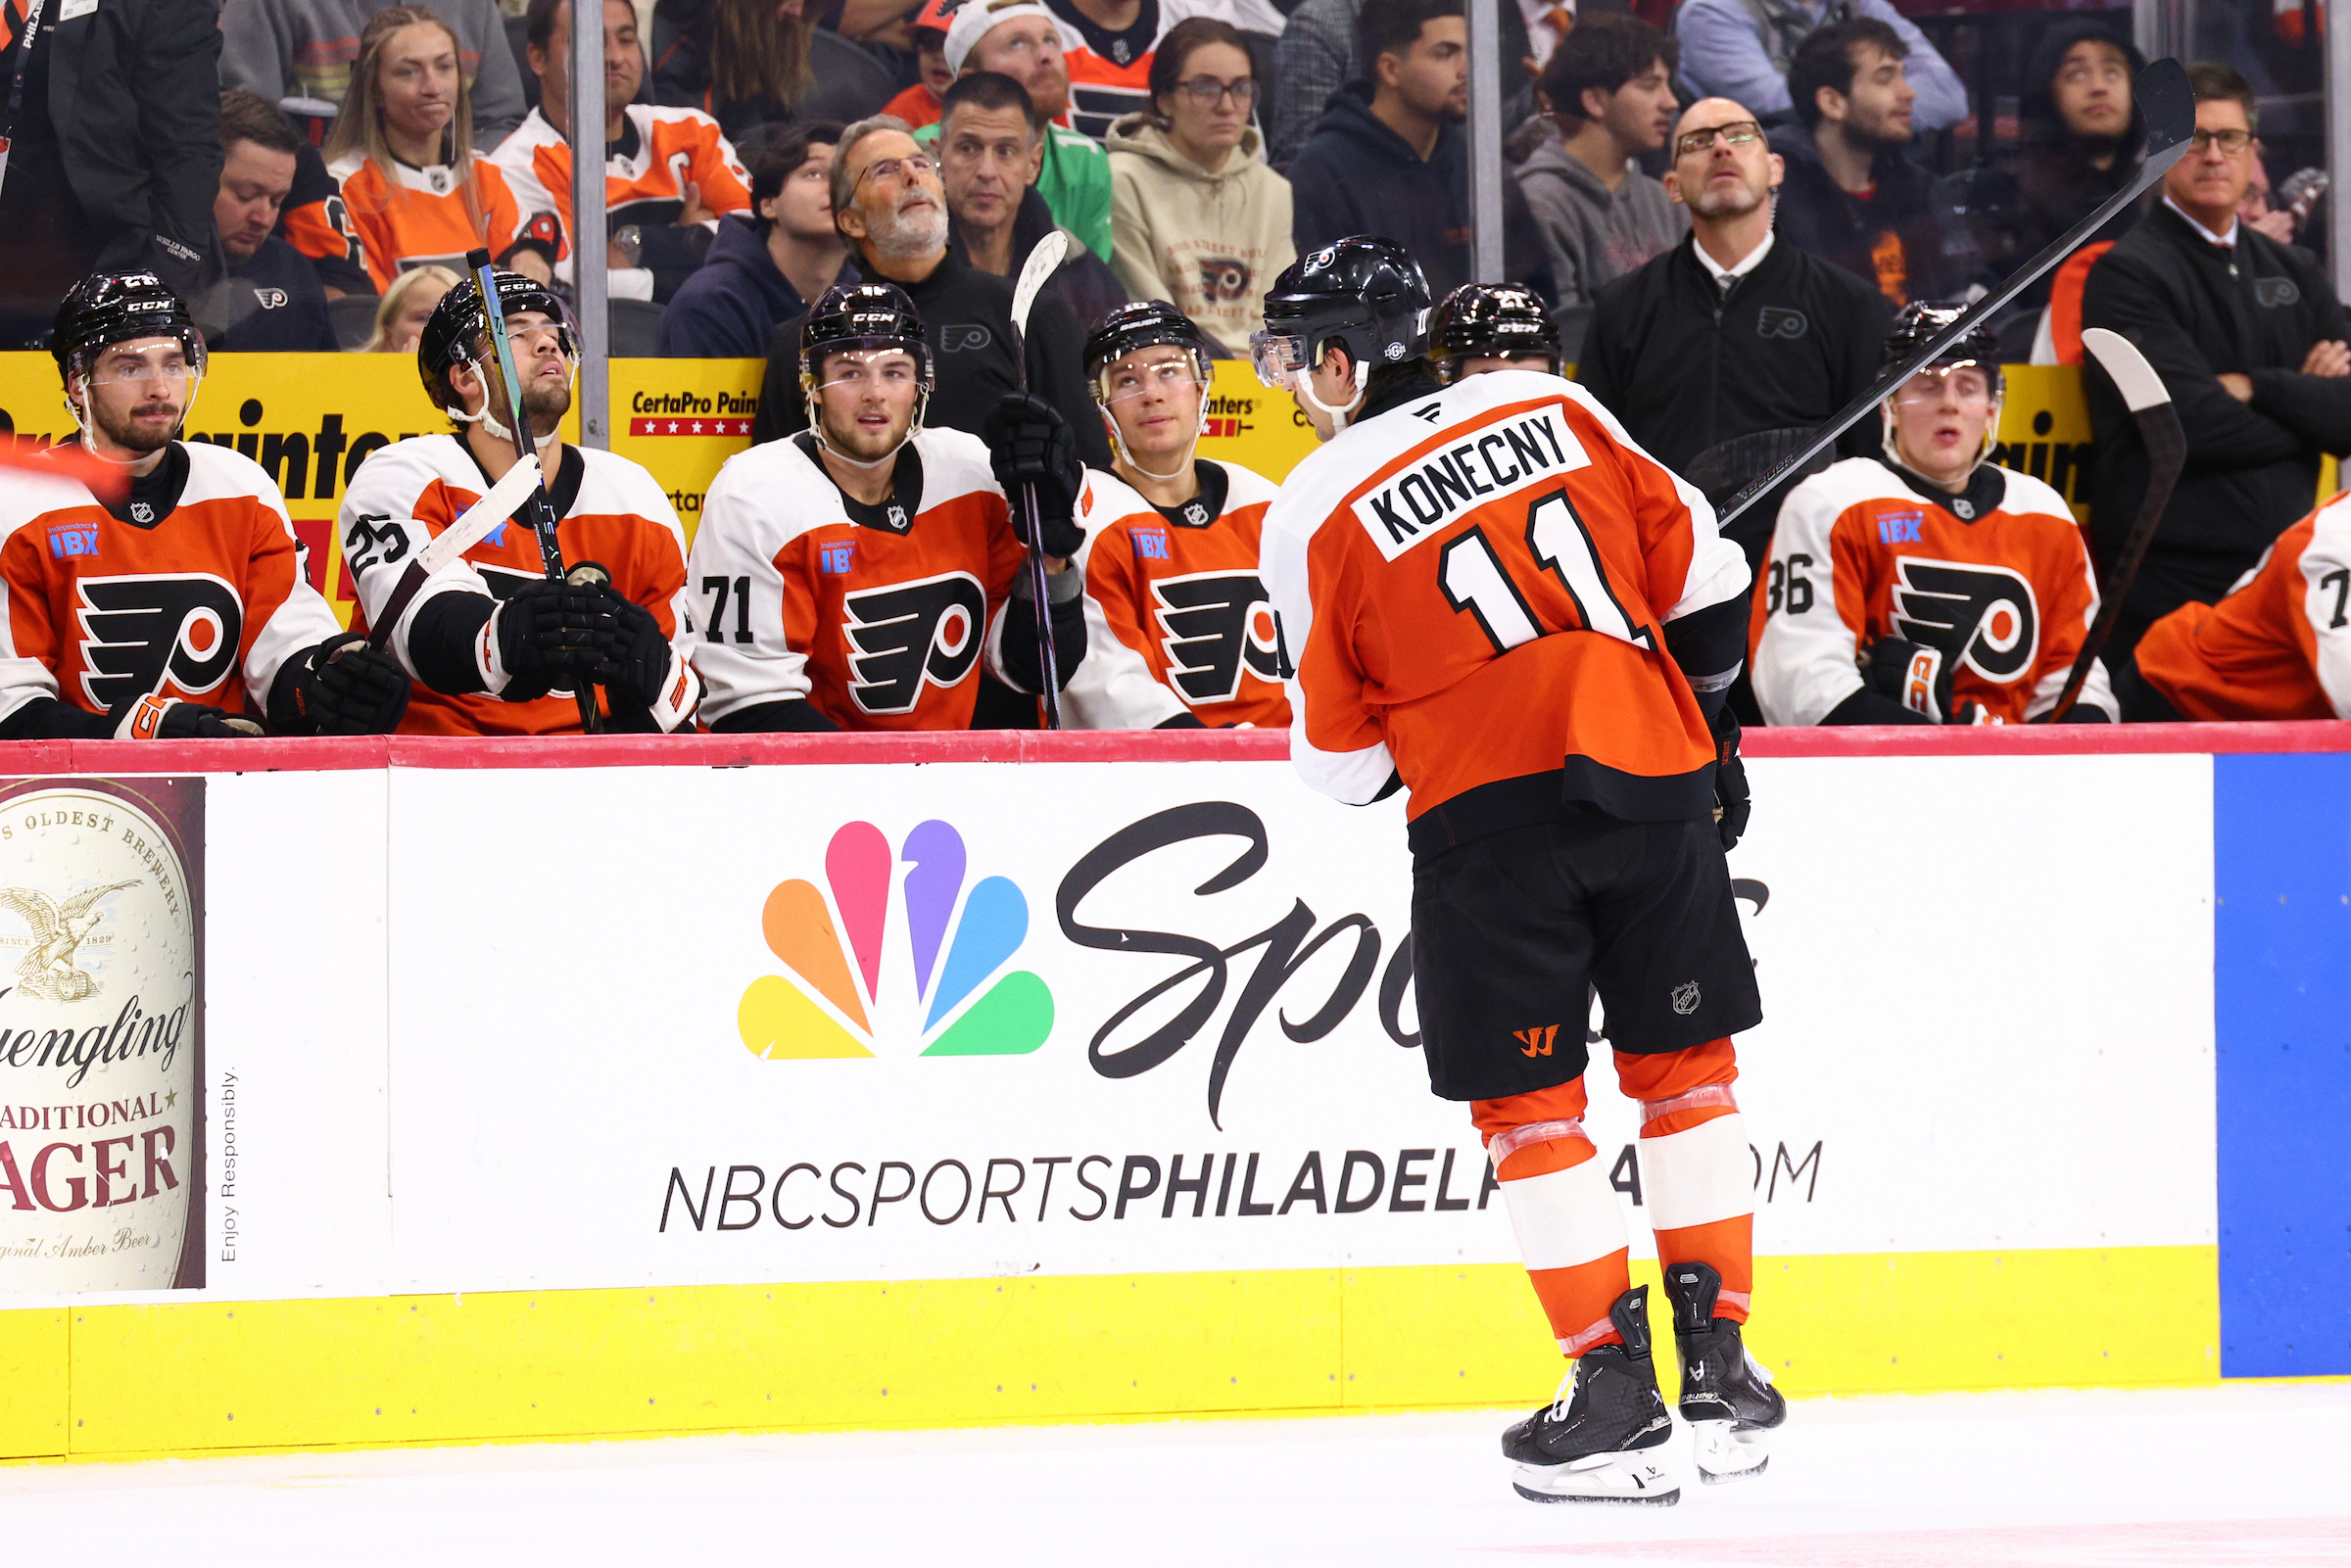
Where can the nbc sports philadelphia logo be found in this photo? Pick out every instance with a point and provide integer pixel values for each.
(894, 955)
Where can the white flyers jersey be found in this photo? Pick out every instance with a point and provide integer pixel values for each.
(609, 510)
(2006, 595)
(1474, 588)
(2278, 646)
(202, 602)
(879, 620)
(1177, 618)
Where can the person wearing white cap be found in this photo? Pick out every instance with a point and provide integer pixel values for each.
(1022, 39)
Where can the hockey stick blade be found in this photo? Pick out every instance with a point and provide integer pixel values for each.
(475, 524)
(1043, 262)
(2166, 441)
(2169, 107)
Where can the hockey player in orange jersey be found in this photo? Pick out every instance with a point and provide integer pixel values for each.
(164, 599)
(2277, 646)
(496, 648)
(856, 575)
(1498, 603)
(1179, 632)
(1929, 586)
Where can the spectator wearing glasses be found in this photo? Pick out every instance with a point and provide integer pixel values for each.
(2250, 339)
(991, 142)
(1610, 88)
(1197, 218)
(1719, 354)
(766, 264)
(1852, 195)
(1744, 49)
(892, 209)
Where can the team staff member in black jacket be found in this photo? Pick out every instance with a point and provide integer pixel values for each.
(2249, 338)
(1731, 334)
(892, 209)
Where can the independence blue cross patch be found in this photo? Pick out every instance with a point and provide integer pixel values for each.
(834, 560)
(73, 539)
(1900, 528)
(1150, 543)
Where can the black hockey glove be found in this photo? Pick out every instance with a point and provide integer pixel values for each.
(638, 664)
(1732, 806)
(340, 687)
(1029, 443)
(1916, 676)
(552, 634)
(153, 718)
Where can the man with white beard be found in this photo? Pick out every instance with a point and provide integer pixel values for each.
(892, 209)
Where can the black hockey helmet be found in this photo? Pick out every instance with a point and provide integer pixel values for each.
(109, 307)
(452, 334)
(1143, 325)
(863, 315)
(1914, 327)
(1491, 320)
(1365, 294)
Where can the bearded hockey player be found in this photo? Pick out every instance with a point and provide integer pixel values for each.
(1929, 586)
(497, 647)
(2277, 646)
(858, 572)
(1171, 552)
(1499, 603)
(176, 606)
(1492, 326)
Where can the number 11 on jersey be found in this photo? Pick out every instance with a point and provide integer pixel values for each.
(1472, 575)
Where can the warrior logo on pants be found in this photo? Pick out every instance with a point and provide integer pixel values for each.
(139, 630)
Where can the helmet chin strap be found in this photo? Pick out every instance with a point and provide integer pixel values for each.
(496, 426)
(1893, 450)
(83, 420)
(816, 428)
(1342, 418)
(1181, 468)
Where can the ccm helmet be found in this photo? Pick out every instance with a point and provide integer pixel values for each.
(863, 316)
(1914, 327)
(1491, 321)
(455, 335)
(1367, 295)
(110, 308)
(1144, 324)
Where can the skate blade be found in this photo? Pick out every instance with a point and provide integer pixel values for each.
(1619, 1478)
(1727, 1453)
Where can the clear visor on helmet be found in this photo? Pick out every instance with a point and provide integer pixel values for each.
(1171, 369)
(1964, 380)
(527, 338)
(174, 356)
(884, 366)
(1278, 355)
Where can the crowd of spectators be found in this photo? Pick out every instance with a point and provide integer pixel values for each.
(1746, 194)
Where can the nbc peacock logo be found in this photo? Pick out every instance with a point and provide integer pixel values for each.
(955, 943)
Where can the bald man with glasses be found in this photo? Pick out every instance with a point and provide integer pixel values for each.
(1762, 338)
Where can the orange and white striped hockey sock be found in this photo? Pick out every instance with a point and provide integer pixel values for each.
(1697, 1173)
(1570, 1230)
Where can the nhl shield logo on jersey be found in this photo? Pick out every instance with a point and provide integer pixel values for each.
(1984, 616)
(901, 636)
(138, 632)
(838, 1004)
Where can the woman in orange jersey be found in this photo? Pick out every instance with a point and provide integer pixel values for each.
(1179, 630)
(402, 150)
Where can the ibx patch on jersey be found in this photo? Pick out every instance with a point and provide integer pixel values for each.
(1150, 543)
(837, 560)
(70, 540)
(1899, 527)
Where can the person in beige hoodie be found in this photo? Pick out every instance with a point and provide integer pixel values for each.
(1197, 218)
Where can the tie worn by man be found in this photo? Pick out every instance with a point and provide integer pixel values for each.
(2250, 339)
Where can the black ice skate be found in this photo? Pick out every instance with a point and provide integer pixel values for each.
(1726, 1397)
(1589, 1444)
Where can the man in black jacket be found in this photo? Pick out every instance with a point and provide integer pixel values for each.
(271, 302)
(115, 156)
(1720, 353)
(892, 209)
(2250, 340)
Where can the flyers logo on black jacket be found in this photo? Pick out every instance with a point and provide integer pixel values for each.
(1984, 616)
(914, 632)
(1216, 625)
(137, 632)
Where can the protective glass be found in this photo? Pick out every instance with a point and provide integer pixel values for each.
(175, 363)
(1966, 380)
(1206, 90)
(1737, 133)
(1126, 378)
(1278, 355)
(2232, 142)
(862, 368)
(913, 165)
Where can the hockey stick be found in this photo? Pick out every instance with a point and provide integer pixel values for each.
(542, 510)
(2168, 105)
(505, 499)
(1043, 262)
(2166, 441)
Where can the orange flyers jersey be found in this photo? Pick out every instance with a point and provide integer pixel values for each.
(1473, 588)
(202, 603)
(420, 219)
(2279, 646)
(645, 172)
(881, 627)
(1860, 555)
(1182, 596)
(609, 511)
(1110, 72)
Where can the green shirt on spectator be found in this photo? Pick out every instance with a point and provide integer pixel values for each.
(1075, 182)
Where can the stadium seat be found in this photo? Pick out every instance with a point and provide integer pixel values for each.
(634, 324)
(354, 318)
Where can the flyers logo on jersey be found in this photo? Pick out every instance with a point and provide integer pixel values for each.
(782, 1019)
(1512, 454)
(915, 632)
(1216, 625)
(138, 632)
(1984, 616)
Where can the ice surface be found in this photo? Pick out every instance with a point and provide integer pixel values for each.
(2239, 1474)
